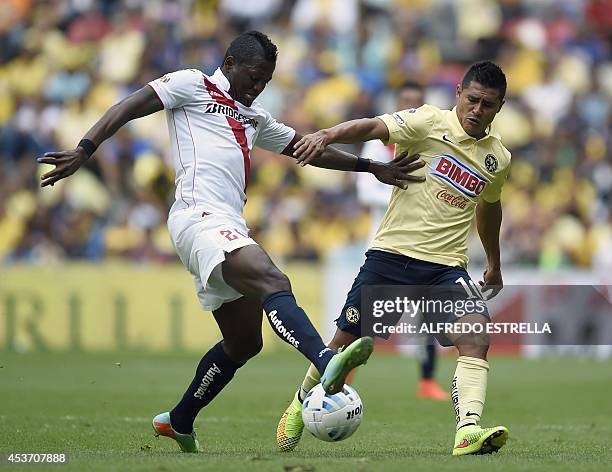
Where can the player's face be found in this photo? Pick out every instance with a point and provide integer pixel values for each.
(410, 98)
(477, 105)
(248, 80)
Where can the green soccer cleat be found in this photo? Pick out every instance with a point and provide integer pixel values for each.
(162, 427)
(346, 360)
(475, 440)
(290, 427)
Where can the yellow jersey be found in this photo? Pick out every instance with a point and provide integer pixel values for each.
(430, 220)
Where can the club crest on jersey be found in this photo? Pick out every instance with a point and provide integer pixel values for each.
(398, 118)
(491, 163)
(454, 172)
(352, 315)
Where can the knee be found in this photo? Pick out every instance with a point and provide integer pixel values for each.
(273, 280)
(242, 349)
(253, 348)
(474, 346)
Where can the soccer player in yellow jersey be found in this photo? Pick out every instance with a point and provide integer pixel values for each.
(422, 238)
(376, 196)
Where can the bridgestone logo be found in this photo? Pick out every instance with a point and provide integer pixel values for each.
(207, 380)
(282, 331)
(217, 108)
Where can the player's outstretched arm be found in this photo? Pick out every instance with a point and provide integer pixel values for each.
(488, 222)
(141, 103)
(311, 146)
(398, 172)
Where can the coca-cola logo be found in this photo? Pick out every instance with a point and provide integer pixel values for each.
(450, 199)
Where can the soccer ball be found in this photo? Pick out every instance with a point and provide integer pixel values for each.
(332, 417)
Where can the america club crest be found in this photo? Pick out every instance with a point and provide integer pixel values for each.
(352, 315)
(491, 163)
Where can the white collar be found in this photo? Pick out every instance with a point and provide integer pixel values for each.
(220, 79)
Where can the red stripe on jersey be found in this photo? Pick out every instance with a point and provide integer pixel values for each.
(241, 139)
(217, 95)
(237, 127)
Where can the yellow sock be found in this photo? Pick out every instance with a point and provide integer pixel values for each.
(312, 378)
(469, 389)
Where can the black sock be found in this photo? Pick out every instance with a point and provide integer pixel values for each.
(214, 372)
(292, 325)
(429, 363)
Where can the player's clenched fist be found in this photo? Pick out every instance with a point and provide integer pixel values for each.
(66, 163)
(492, 283)
(398, 172)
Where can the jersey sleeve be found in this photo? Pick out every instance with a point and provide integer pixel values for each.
(274, 136)
(492, 192)
(408, 126)
(177, 88)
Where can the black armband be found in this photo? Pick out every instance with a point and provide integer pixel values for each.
(88, 146)
(363, 165)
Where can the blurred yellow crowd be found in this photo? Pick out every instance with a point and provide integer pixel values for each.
(64, 62)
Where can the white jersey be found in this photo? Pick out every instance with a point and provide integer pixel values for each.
(370, 192)
(211, 136)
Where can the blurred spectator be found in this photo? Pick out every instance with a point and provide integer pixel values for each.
(63, 62)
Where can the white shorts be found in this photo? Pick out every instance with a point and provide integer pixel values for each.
(201, 241)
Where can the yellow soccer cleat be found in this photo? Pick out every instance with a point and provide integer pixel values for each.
(290, 426)
(475, 440)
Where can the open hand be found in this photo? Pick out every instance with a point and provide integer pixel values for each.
(398, 172)
(66, 163)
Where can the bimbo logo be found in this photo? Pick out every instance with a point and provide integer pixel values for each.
(460, 176)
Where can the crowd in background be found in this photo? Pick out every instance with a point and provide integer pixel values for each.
(64, 62)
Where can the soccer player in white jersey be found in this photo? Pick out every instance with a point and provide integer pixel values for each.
(214, 121)
(422, 240)
(376, 195)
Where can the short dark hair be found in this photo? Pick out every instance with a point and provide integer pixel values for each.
(412, 84)
(252, 44)
(488, 74)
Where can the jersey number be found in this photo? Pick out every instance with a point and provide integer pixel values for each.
(472, 290)
(232, 235)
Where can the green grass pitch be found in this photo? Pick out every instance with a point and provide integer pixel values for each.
(559, 412)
